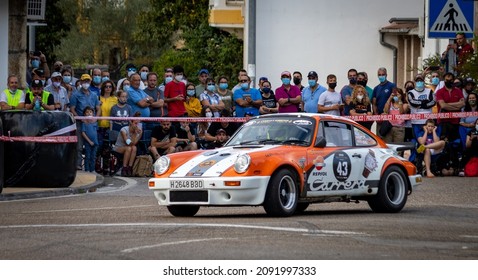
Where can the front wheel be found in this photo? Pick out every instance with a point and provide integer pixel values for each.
(282, 194)
(183, 210)
(392, 192)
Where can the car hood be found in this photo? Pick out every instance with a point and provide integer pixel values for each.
(213, 163)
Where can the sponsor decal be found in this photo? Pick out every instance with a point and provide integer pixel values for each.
(318, 185)
(207, 163)
(319, 162)
(341, 166)
(302, 122)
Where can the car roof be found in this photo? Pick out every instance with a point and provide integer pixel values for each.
(317, 116)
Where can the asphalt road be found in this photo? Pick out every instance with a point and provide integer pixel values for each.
(123, 221)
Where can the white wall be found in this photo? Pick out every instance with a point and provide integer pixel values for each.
(3, 44)
(329, 37)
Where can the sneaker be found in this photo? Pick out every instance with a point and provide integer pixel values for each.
(124, 171)
(421, 149)
(130, 171)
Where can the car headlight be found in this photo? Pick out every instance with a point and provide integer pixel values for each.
(162, 165)
(242, 163)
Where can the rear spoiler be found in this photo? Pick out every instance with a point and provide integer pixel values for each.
(400, 147)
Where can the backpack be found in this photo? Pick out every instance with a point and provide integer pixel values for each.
(143, 166)
(471, 167)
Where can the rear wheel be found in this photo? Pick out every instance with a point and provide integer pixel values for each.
(183, 210)
(282, 194)
(392, 192)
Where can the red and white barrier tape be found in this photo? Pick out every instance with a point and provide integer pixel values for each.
(420, 116)
(40, 139)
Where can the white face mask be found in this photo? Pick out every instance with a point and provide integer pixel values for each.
(178, 78)
(85, 86)
(131, 73)
(208, 114)
(359, 97)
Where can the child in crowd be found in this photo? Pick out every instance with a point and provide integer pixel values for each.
(430, 145)
(121, 109)
(90, 136)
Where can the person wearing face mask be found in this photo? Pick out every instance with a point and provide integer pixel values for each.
(381, 93)
(346, 91)
(297, 79)
(467, 123)
(361, 105)
(143, 72)
(67, 81)
(288, 96)
(225, 93)
(96, 81)
(37, 61)
(38, 99)
(449, 99)
(210, 98)
(311, 94)
(121, 110)
(396, 105)
(247, 99)
(168, 77)
(268, 99)
(130, 70)
(330, 101)
(362, 79)
(192, 103)
(60, 94)
(408, 86)
(80, 99)
(12, 97)
(420, 100)
(175, 93)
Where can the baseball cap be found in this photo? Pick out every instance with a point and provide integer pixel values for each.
(203, 71)
(56, 74)
(312, 74)
(85, 77)
(419, 77)
(263, 79)
(469, 80)
(220, 130)
(36, 84)
(285, 73)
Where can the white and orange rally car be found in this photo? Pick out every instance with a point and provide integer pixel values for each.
(284, 162)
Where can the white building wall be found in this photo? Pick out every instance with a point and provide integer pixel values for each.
(3, 44)
(329, 37)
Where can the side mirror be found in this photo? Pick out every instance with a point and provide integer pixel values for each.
(320, 142)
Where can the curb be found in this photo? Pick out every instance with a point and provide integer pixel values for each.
(56, 192)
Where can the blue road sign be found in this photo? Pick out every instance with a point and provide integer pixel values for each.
(447, 17)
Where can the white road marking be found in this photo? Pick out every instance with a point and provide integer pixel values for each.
(469, 236)
(89, 209)
(130, 250)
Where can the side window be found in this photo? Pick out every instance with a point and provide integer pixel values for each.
(363, 139)
(337, 134)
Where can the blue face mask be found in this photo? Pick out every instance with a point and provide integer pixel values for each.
(168, 79)
(191, 92)
(211, 88)
(35, 63)
(126, 87)
(67, 79)
(435, 81)
(104, 79)
(245, 86)
(286, 81)
(223, 86)
(419, 85)
(312, 83)
(96, 79)
(144, 75)
(395, 99)
(266, 90)
(382, 78)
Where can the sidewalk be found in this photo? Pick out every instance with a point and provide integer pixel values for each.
(84, 182)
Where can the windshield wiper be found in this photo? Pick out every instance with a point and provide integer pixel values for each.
(261, 141)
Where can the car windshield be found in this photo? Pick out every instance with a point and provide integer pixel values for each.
(271, 130)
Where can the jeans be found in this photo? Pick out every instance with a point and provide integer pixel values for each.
(90, 157)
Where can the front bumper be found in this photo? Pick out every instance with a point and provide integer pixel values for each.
(415, 180)
(249, 191)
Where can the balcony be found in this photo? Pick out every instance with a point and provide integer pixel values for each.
(227, 15)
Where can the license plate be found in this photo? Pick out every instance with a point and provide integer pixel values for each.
(186, 184)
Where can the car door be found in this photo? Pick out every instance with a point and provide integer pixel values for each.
(337, 168)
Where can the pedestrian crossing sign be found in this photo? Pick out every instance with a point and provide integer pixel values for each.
(448, 17)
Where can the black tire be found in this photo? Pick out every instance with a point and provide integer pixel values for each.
(282, 194)
(392, 192)
(183, 210)
(301, 206)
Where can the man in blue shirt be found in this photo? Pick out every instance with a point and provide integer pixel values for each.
(381, 93)
(137, 98)
(311, 94)
(247, 100)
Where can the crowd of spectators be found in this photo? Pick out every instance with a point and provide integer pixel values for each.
(148, 94)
